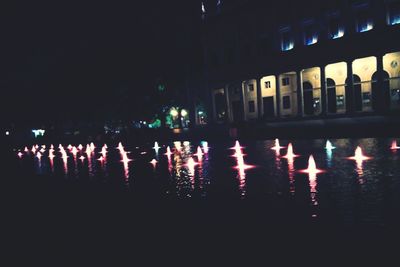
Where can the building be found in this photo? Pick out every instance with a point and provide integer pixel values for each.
(298, 59)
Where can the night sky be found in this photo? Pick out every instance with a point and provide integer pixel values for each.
(65, 61)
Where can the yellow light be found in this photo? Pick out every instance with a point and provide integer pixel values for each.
(184, 112)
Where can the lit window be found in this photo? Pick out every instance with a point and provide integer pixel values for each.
(268, 84)
(285, 81)
(336, 29)
(394, 13)
(310, 33)
(364, 20)
(252, 107)
(250, 87)
(286, 102)
(287, 42)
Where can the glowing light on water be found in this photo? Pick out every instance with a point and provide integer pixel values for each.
(103, 151)
(178, 145)
(199, 153)
(191, 164)
(52, 146)
(88, 150)
(205, 146)
(60, 147)
(69, 147)
(358, 155)
(80, 147)
(154, 162)
(186, 143)
(329, 145)
(277, 146)
(26, 150)
(51, 154)
(82, 158)
(237, 146)
(394, 145)
(312, 167)
(290, 154)
(101, 159)
(156, 147)
(168, 153)
(42, 150)
(120, 147)
(39, 155)
(33, 149)
(20, 154)
(92, 147)
(74, 151)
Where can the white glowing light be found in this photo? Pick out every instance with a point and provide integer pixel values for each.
(329, 145)
(7, 133)
(205, 146)
(169, 153)
(312, 167)
(277, 146)
(156, 146)
(359, 156)
(80, 147)
(20, 154)
(290, 154)
(38, 132)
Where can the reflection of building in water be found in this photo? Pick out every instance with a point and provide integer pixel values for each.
(303, 64)
(291, 171)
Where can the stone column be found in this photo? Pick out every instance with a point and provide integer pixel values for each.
(299, 83)
(383, 96)
(228, 117)
(350, 109)
(278, 96)
(324, 100)
(259, 98)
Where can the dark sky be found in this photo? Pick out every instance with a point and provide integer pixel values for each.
(62, 59)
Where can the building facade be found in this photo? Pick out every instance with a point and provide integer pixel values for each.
(298, 59)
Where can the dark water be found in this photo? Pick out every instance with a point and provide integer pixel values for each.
(346, 193)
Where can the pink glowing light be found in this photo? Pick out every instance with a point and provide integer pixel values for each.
(101, 159)
(312, 167)
(143, 153)
(290, 154)
(237, 146)
(277, 146)
(120, 147)
(191, 164)
(199, 153)
(26, 150)
(74, 151)
(125, 159)
(33, 149)
(20, 154)
(168, 153)
(60, 147)
(42, 150)
(39, 155)
(105, 146)
(359, 156)
(80, 147)
(103, 152)
(88, 150)
(394, 145)
(92, 147)
(69, 147)
(82, 158)
(52, 146)
(51, 153)
(154, 162)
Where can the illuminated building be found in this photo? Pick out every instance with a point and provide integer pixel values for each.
(299, 59)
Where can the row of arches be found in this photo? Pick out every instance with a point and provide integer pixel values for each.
(354, 98)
